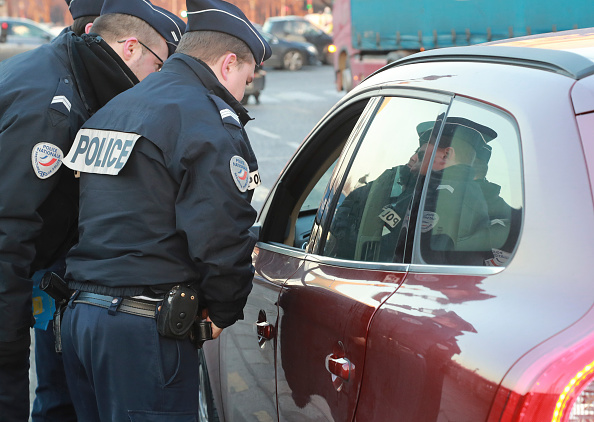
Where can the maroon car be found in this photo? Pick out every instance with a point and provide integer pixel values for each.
(425, 255)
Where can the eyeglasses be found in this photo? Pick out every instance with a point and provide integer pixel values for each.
(152, 52)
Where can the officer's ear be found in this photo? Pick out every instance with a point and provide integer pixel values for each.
(227, 64)
(88, 27)
(449, 154)
(128, 48)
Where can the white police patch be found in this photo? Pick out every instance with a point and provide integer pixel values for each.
(46, 159)
(100, 151)
(255, 180)
(240, 172)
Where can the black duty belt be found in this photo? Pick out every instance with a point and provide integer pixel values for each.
(128, 306)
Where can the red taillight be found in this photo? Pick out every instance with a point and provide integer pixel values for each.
(4, 25)
(576, 388)
(552, 386)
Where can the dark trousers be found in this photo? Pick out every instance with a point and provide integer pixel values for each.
(120, 369)
(14, 380)
(52, 399)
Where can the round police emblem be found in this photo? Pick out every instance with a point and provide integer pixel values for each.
(429, 221)
(240, 172)
(46, 159)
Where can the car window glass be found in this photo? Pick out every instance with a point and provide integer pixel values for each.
(24, 30)
(368, 220)
(291, 211)
(473, 206)
(314, 198)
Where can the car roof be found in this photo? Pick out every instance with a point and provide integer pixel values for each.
(570, 53)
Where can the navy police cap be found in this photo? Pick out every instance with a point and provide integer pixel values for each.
(473, 133)
(80, 8)
(218, 15)
(170, 26)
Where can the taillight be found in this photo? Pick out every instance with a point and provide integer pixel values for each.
(553, 384)
(576, 403)
(4, 25)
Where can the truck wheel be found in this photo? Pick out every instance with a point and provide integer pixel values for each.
(292, 60)
(206, 407)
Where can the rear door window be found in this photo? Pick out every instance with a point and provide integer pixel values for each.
(472, 209)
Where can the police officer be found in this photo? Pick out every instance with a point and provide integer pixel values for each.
(167, 178)
(455, 217)
(45, 96)
(84, 13)
(52, 399)
(390, 196)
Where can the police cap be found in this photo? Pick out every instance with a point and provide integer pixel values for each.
(80, 8)
(424, 130)
(170, 26)
(459, 128)
(474, 134)
(218, 15)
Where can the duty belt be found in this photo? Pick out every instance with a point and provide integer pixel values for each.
(117, 304)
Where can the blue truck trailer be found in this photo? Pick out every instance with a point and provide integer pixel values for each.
(371, 33)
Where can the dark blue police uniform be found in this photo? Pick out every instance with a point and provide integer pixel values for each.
(173, 214)
(167, 176)
(45, 96)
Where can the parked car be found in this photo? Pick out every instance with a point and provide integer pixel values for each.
(296, 28)
(351, 320)
(290, 55)
(19, 34)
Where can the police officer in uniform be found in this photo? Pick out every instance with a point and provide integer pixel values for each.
(45, 96)
(84, 13)
(52, 399)
(167, 176)
(455, 217)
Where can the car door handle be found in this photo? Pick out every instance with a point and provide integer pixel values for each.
(340, 367)
(265, 330)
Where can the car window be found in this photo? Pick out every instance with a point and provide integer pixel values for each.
(473, 206)
(369, 220)
(297, 196)
(25, 30)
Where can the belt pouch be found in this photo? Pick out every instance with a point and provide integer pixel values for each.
(178, 312)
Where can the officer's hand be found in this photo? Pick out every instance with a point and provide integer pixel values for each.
(216, 331)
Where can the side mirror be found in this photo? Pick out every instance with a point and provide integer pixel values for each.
(3, 31)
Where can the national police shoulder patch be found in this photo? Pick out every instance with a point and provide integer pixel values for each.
(240, 172)
(46, 159)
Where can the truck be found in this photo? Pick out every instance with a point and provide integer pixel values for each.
(369, 34)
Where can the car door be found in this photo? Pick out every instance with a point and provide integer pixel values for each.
(422, 339)
(248, 348)
(327, 305)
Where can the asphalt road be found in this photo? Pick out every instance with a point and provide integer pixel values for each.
(290, 106)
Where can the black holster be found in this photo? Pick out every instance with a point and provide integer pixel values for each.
(57, 289)
(179, 316)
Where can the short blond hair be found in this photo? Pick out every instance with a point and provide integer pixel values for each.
(114, 27)
(209, 46)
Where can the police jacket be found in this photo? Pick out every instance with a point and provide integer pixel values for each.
(455, 218)
(45, 96)
(165, 192)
